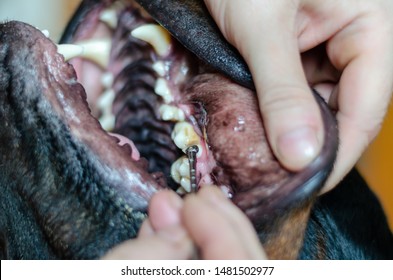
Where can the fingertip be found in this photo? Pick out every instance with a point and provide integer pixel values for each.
(164, 209)
(298, 147)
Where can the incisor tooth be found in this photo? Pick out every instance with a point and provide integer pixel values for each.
(161, 88)
(107, 122)
(184, 136)
(105, 101)
(109, 16)
(155, 35)
(171, 113)
(159, 67)
(69, 51)
(107, 80)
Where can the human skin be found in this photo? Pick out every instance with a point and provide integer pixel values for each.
(343, 49)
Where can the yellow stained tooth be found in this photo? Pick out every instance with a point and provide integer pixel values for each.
(184, 136)
(69, 51)
(97, 50)
(155, 35)
(161, 88)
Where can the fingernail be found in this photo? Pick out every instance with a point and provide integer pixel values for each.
(298, 147)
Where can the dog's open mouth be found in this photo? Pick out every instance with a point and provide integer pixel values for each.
(136, 78)
(156, 100)
(147, 101)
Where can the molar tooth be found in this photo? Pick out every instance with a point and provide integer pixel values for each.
(161, 88)
(155, 35)
(184, 136)
(97, 50)
(184, 167)
(186, 184)
(181, 190)
(180, 169)
(175, 174)
(69, 51)
(171, 113)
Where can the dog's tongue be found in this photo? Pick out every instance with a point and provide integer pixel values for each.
(135, 155)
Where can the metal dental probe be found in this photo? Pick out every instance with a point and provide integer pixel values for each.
(191, 154)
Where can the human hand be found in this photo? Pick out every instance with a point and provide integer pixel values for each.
(176, 229)
(343, 49)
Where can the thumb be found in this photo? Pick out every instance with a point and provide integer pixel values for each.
(264, 32)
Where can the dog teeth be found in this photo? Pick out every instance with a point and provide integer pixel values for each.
(160, 68)
(96, 50)
(186, 184)
(184, 136)
(107, 80)
(107, 122)
(155, 35)
(105, 101)
(161, 88)
(180, 169)
(171, 113)
(109, 17)
(69, 51)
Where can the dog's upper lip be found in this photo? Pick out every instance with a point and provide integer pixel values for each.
(189, 22)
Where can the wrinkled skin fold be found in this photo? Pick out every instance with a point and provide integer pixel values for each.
(70, 191)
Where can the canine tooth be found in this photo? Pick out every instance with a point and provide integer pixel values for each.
(107, 122)
(107, 80)
(171, 113)
(155, 35)
(97, 50)
(161, 88)
(184, 136)
(186, 184)
(159, 67)
(69, 51)
(109, 16)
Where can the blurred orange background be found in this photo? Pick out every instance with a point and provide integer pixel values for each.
(376, 166)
